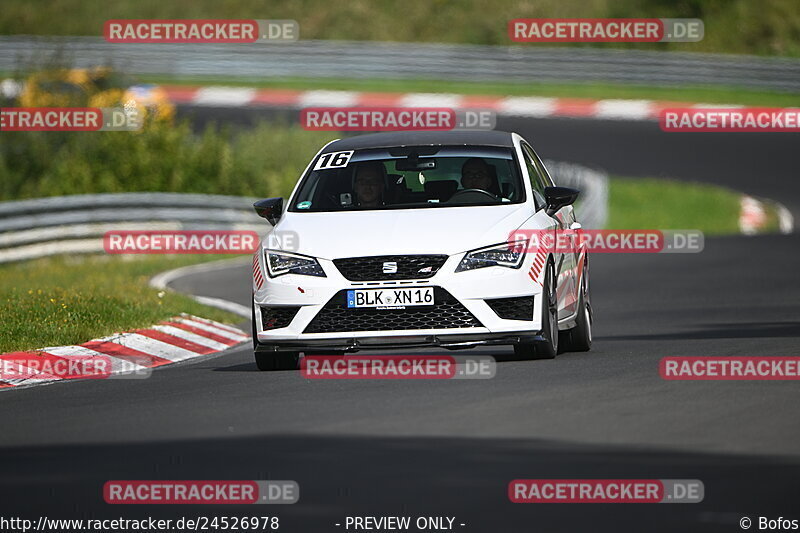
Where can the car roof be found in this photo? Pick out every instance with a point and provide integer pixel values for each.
(423, 138)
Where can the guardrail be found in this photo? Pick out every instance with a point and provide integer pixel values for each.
(76, 224)
(591, 209)
(381, 60)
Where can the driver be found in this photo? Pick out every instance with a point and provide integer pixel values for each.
(370, 184)
(475, 174)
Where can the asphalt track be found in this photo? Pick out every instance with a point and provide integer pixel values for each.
(451, 447)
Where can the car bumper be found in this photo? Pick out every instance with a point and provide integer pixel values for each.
(452, 341)
(307, 297)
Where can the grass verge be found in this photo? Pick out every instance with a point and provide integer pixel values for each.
(655, 203)
(70, 300)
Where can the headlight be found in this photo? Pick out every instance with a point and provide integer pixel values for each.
(280, 263)
(505, 254)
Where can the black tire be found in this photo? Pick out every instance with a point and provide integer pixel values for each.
(579, 338)
(267, 361)
(548, 348)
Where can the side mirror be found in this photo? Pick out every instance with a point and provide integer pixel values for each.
(271, 209)
(558, 197)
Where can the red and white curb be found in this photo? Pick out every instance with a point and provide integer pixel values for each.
(524, 106)
(753, 216)
(178, 339)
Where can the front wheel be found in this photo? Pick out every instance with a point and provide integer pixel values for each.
(579, 338)
(547, 348)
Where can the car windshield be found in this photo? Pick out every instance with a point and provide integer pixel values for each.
(410, 177)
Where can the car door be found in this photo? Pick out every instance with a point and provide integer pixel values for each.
(564, 219)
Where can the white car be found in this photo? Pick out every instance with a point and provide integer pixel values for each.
(401, 240)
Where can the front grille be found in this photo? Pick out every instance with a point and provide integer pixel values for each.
(519, 308)
(277, 317)
(446, 313)
(373, 268)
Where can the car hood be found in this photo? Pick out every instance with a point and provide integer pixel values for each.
(441, 230)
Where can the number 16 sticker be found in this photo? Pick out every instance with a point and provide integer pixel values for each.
(333, 160)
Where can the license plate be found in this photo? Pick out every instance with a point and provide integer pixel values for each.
(390, 298)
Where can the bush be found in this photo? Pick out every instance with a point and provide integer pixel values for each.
(264, 161)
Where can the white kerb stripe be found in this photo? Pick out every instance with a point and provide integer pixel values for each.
(117, 365)
(192, 337)
(151, 346)
(31, 381)
(528, 106)
(329, 99)
(624, 109)
(212, 329)
(224, 96)
(452, 101)
(16, 367)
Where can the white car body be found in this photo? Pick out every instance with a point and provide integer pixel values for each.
(450, 231)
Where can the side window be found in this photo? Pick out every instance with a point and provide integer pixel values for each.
(537, 179)
(547, 179)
